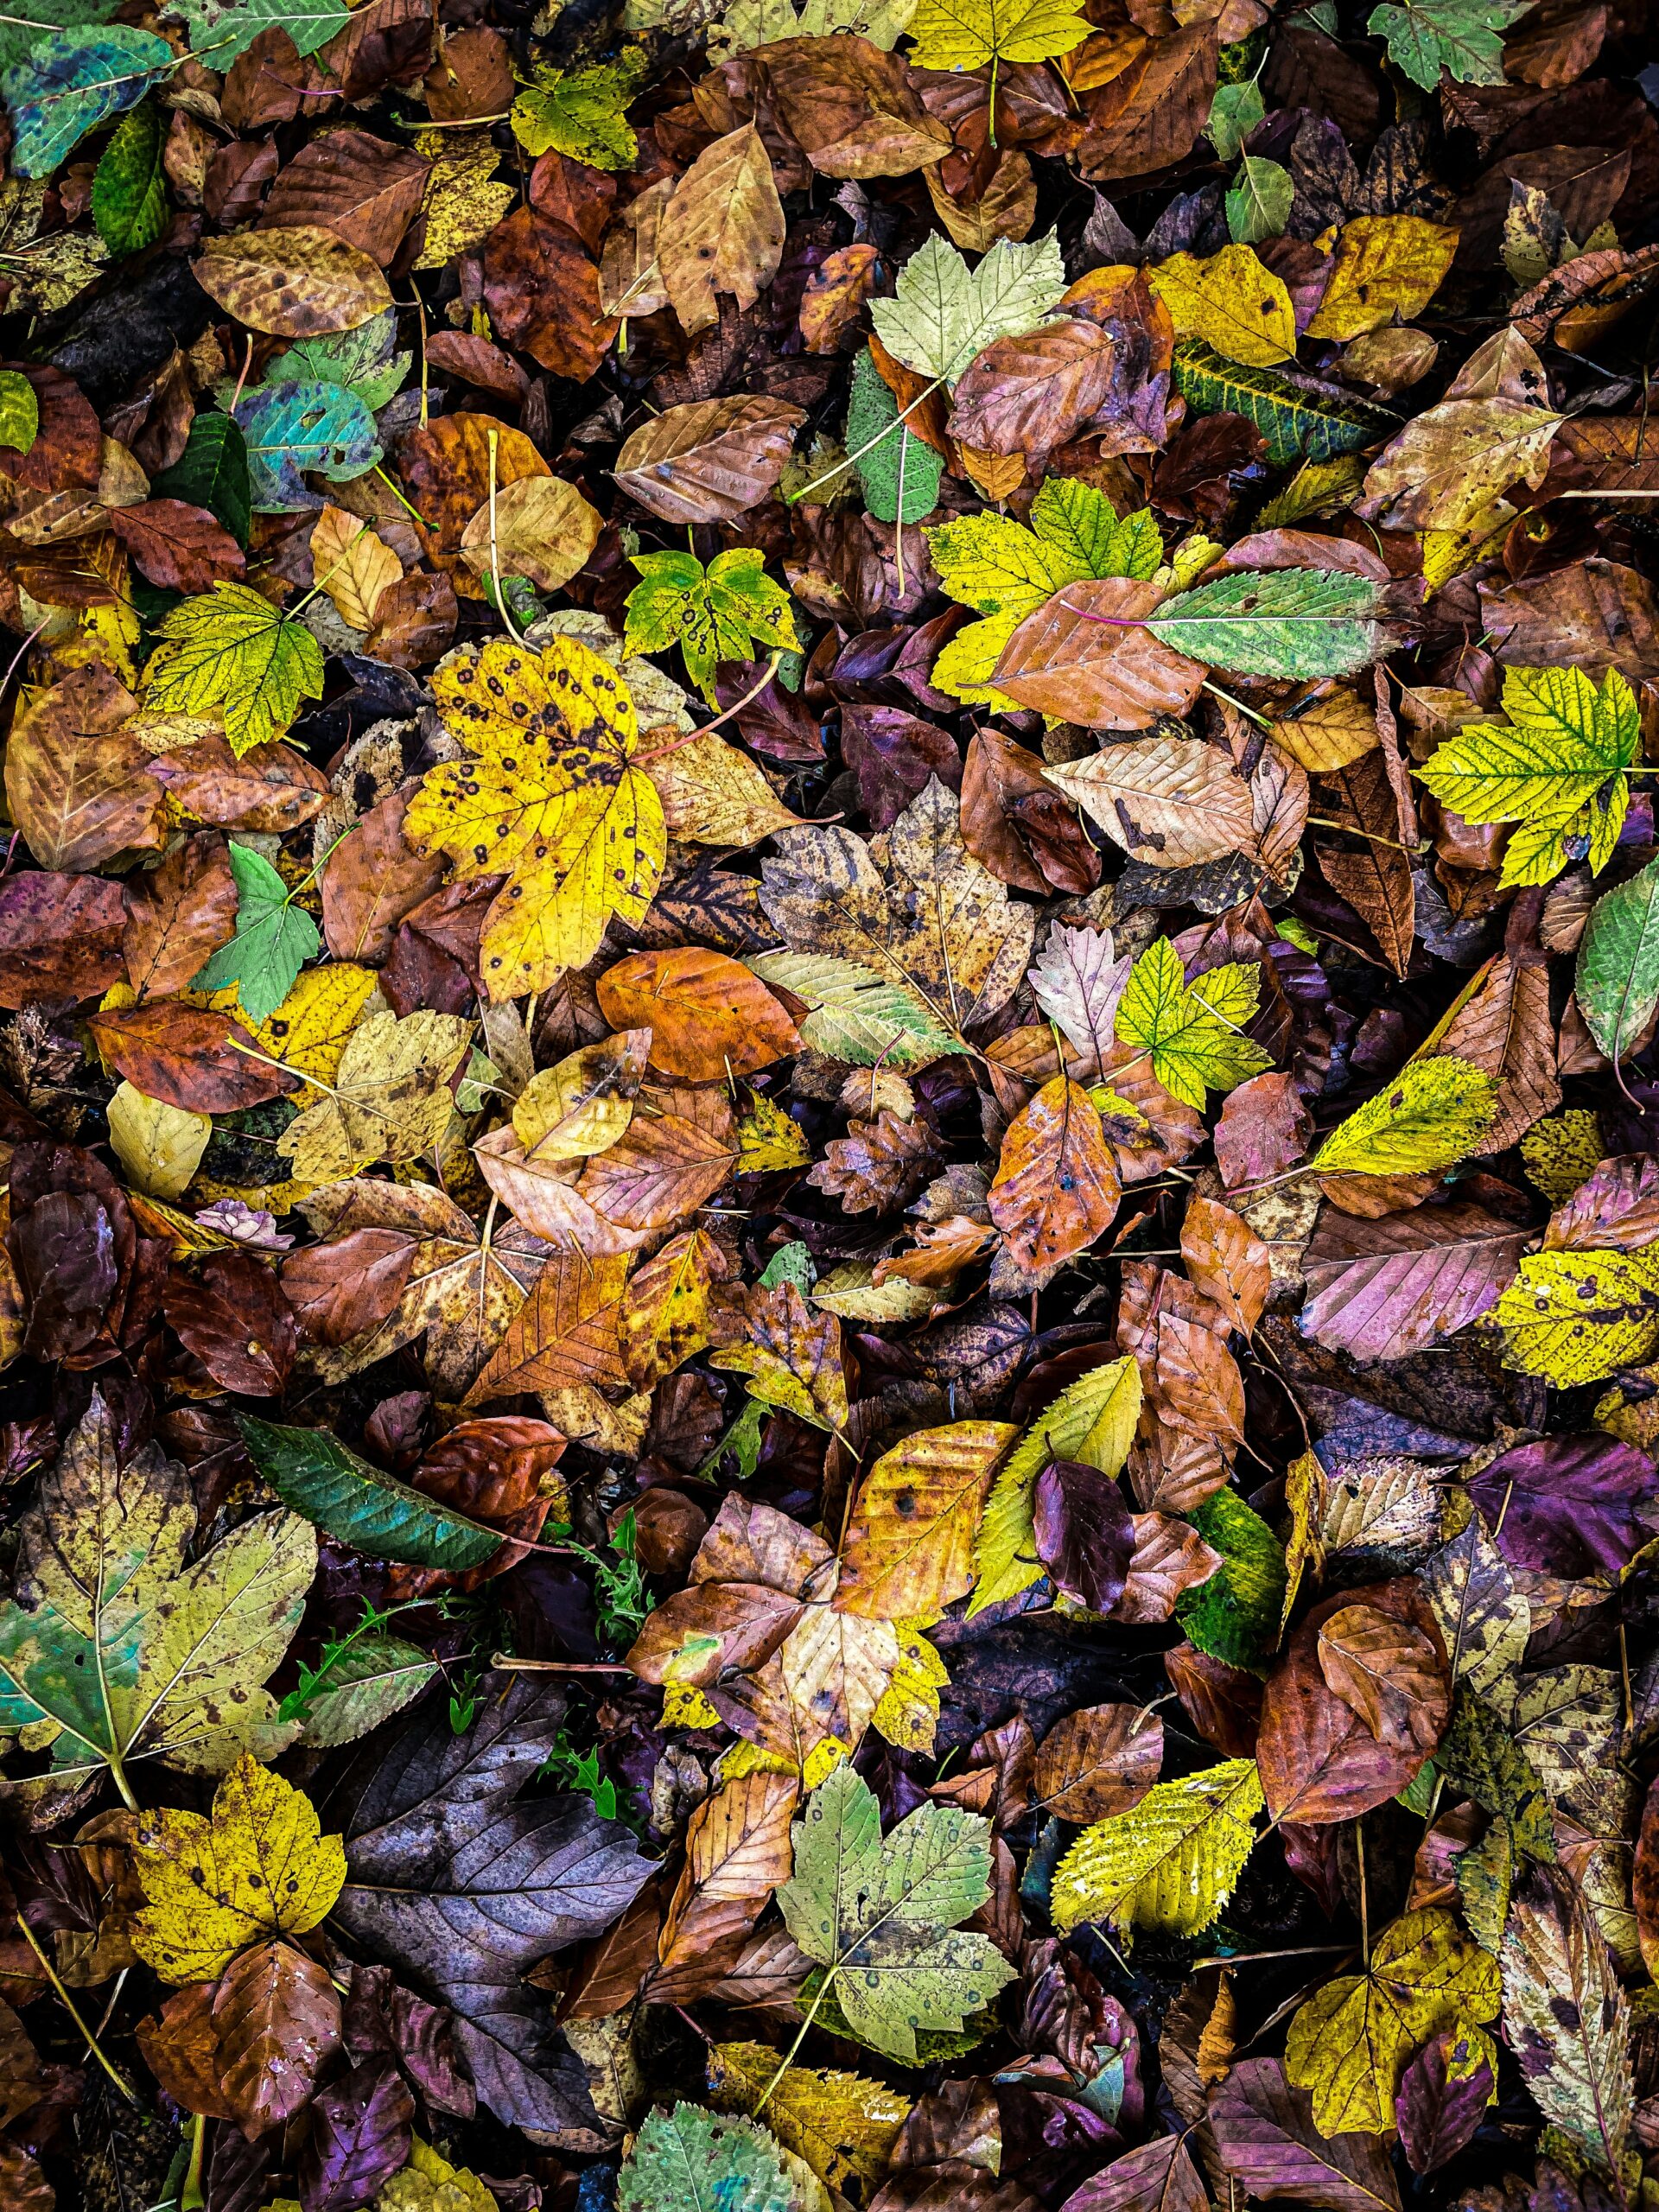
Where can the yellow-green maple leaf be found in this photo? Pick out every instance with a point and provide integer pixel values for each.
(967, 33)
(232, 654)
(1192, 1033)
(1557, 770)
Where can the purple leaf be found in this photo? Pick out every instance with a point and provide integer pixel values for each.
(360, 2138)
(1437, 2113)
(1085, 1536)
(1568, 1504)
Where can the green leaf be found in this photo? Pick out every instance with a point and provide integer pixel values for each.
(221, 34)
(857, 1015)
(580, 112)
(1234, 1616)
(20, 411)
(695, 2159)
(716, 614)
(1557, 769)
(1169, 1865)
(130, 185)
(1464, 37)
(1093, 1420)
(1193, 1034)
(1618, 976)
(1433, 1113)
(1284, 622)
(66, 83)
(900, 458)
(362, 1681)
(317, 1475)
(1298, 421)
(943, 313)
(365, 361)
(212, 472)
(882, 1915)
(319, 428)
(274, 939)
(231, 652)
(1258, 205)
(1234, 114)
(16, 37)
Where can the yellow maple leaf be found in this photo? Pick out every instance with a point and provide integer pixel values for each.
(1348, 2045)
(967, 34)
(259, 1867)
(550, 799)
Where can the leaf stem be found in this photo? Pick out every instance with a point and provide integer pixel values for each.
(869, 445)
(800, 2037)
(92, 2043)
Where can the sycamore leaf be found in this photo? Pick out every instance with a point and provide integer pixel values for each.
(843, 2125)
(968, 34)
(389, 1100)
(1092, 1420)
(259, 1867)
(1433, 1113)
(360, 1504)
(693, 2157)
(882, 1914)
(1558, 769)
(1169, 1865)
(1616, 979)
(550, 798)
(718, 613)
(1462, 37)
(1286, 622)
(274, 938)
(1193, 1035)
(231, 654)
(582, 112)
(1347, 2045)
(1578, 1317)
(943, 313)
(114, 1648)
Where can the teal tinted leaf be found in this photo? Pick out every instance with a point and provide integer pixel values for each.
(20, 411)
(314, 1474)
(901, 458)
(212, 472)
(1236, 111)
(220, 35)
(1618, 976)
(129, 187)
(69, 82)
(1290, 622)
(689, 2158)
(1234, 1616)
(364, 361)
(1298, 423)
(579, 112)
(274, 939)
(18, 36)
(293, 429)
(1258, 206)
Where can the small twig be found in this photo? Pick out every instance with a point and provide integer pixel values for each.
(92, 2043)
(511, 1666)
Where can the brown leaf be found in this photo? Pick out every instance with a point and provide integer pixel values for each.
(1083, 657)
(850, 107)
(564, 1334)
(1028, 395)
(542, 290)
(710, 1019)
(277, 2018)
(1017, 825)
(1321, 1762)
(722, 230)
(180, 547)
(1500, 1024)
(1595, 615)
(878, 1166)
(1375, 878)
(1152, 114)
(75, 781)
(271, 787)
(1227, 1261)
(1099, 1761)
(1384, 1289)
(835, 295)
(59, 937)
(1169, 1558)
(231, 1314)
(187, 1057)
(358, 186)
(180, 2047)
(340, 1290)
(737, 1850)
(1394, 1676)
(178, 913)
(709, 461)
(1056, 1189)
(446, 469)
(370, 881)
